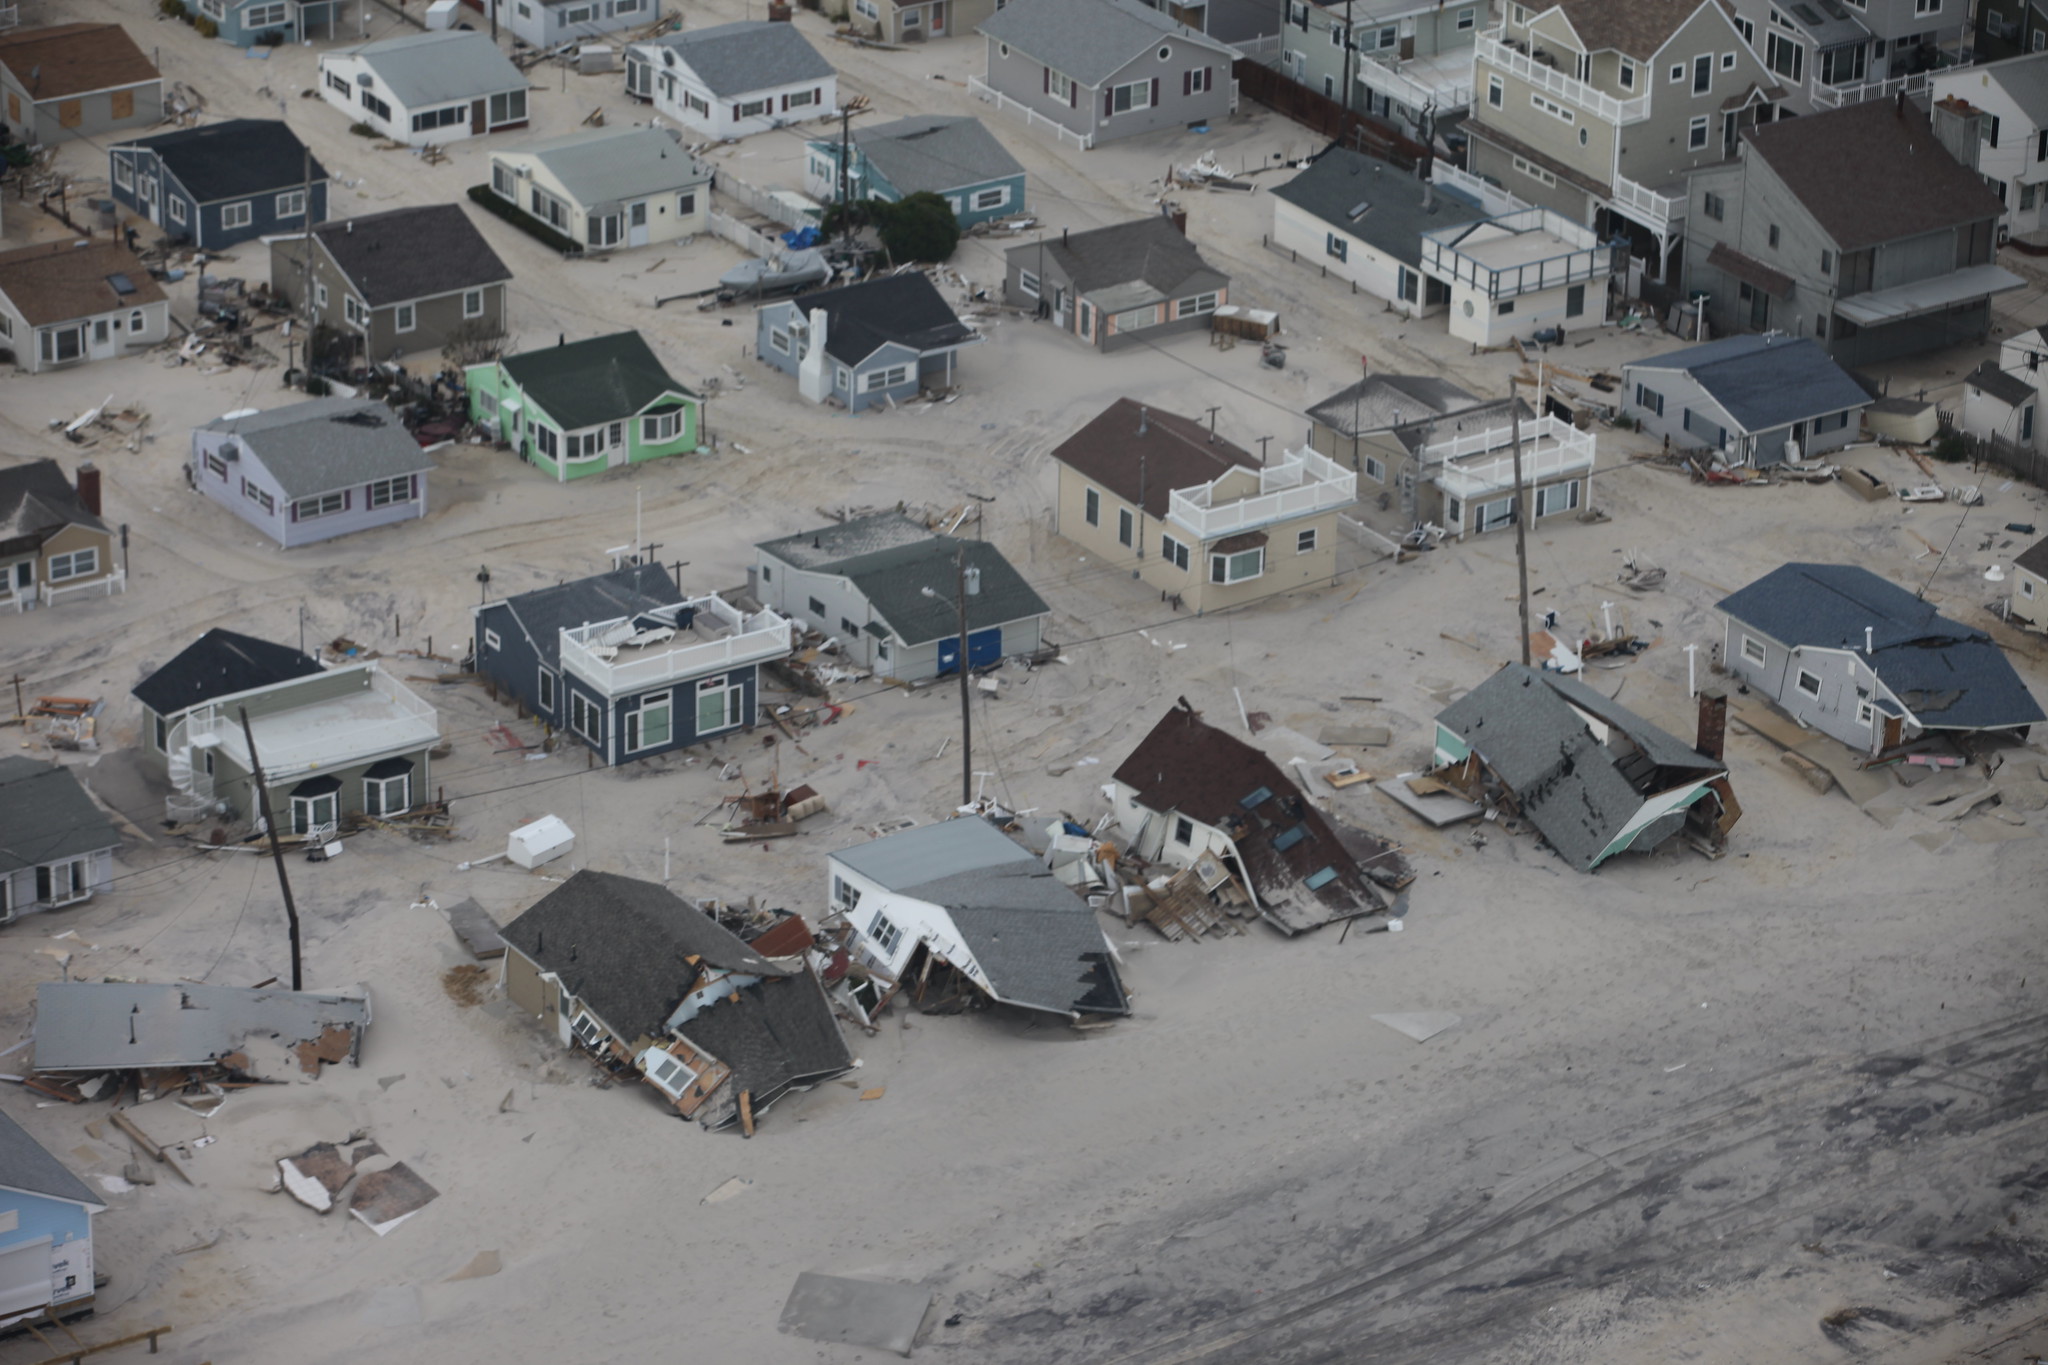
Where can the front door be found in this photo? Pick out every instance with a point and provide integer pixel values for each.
(984, 647)
(636, 224)
(150, 200)
(476, 117)
(949, 656)
(102, 340)
(617, 452)
(938, 13)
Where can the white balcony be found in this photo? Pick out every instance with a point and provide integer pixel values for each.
(1299, 485)
(1443, 82)
(1655, 211)
(1482, 462)
(1516, 253)
(1491, 51)
(692, 639)
(1842, 96)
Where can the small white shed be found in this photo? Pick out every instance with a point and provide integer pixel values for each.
(542, 841)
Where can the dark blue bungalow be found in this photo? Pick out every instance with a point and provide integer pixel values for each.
(627, 664)
(222, 183)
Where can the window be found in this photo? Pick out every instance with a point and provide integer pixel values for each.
(291, 204)
(1297, 14)
(845, 895)
(1374, 470)
(1199, 303)
(994, 198)
(1183, 830)
(1335, 247)
(1808, 684)
(1827, 261)
(544, 691)
(1467, 18)
(160, 731)
(1124, 99)
(1125, 527)
(216, 466)
(62, 883)
(373, 105)
(650, 726)
(1678, 73)
(658, 428)
(386, 492)
(1237, 568)
(885, 935)
(352, 309)
(1696, 133)
(1060, 87)
(1553, 108)
(335, 82)
(1926, 7)
(1558, 497)
(1198, 80)
(78, 564)
(686, 204)
(258, 496)
(1843, 65)
(62, 343)
(1785, 57)
(319, 294)
(405, 317)
(1494, 91)
(1772, 236)
(1626, 73)
(547, 441)
(472, 303)
(1388, 37)
(1091, 507)
(803, 99)
(874, 381)
(1714, 206)
(750, 108)
(1753, 650)
(586, 717)
(1027, 284)
(718, 704)
(177, 207)
(449, 117)
(1866, 714)
(509, 107)
(491, 641)
(778, 340)
(326, 505)
(1535, 172)
(1649, 399)
(1703, 73)
(1305, 541)
(1173, 552)
(124, 174)
(866, 9)
(1504, 309)
(1337, 37)
(389, 793)
(1496, 514)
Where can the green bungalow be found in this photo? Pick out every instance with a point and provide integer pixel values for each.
(583, 408)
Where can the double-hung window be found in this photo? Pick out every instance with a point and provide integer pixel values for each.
(386, 492)
(720, 701)
(78, 564)
(649, 726)
(405, 317)
(291, 204)
(1335, 246)
(1027, 284)
(874, 381)
(1173, 552)
(1649, 399)
(1237, 568)
(387, 788)
(884, 934)
(1558, 497)
(586, 717)
(544, 691)
(1061, 88)
(326, 505)
(1091, 507)
(1808, 684)
(1125, 527)
(472, 303)
(659, 428)
(1124, 99)
(1753, 650)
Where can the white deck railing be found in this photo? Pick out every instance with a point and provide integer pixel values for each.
(753, 639)
(1302, 483)
(1494, 52)
(1580, 256)
(1841, 96)
(398, 720)
(1647, 206)
(988, 94)
(1550, 448)
(1376, 73)
(1491, 197)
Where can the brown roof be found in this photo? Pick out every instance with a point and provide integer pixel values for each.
(64, 281)
(1130, 444)
(74, 59)
(1872, 173)
(1636, 28)
(1750, 270)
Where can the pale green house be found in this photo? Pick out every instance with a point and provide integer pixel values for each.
(579, 409)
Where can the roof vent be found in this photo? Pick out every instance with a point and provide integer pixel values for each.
(1359, 210)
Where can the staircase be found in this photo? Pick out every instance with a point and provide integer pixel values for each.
(191, 796)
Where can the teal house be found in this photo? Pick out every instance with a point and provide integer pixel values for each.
(245, 23)
(953, 157)
(584, 407)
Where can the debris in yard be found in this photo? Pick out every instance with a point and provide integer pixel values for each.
(880, 1314)
(1421, 1025)
(316, 1176)
(467, 984)
(91, 1026)
(481, 1265)
(476, 930)
(384, 1199)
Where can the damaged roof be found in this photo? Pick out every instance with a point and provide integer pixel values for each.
(47, 816)
(774, 1034)
(545, 613)
(630, 950)
(114, 1025)
(1580, 794)
(1187, 766)
(1382, 402)
(1038, 944)
(220, 663)
(1951, 676)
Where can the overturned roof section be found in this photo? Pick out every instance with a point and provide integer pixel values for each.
(115, 1025)
(326, 444)
(47, 816)
(630, 950)
(1765, 381)
(1951, 677)
(1302, 872)
(220, 663)
(1582, 795)
(545, 613)
(1037, 943)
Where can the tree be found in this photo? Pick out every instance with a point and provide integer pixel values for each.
(475, 342)
(920, 227)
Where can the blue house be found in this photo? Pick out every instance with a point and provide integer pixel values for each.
(46, 1252)
(243, 23)
(221, 183)
(626, 663)
(951, 156)
(866, 344)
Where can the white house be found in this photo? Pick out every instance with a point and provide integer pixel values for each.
(426, 87)
(68, 302)
(2010, 100)
(2005, 399)
(1360, 219)
(550, 23)
(733, 79)
(1520, 273)
(610, 187)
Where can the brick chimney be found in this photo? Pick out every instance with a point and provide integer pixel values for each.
(1713, 731)
(89, 487)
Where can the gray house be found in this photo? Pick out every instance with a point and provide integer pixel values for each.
(954, 157)
(1117, 285)
(1104, 69)
(398, 282)
(1397, 59)
(867, 344)
(219, 663)
(545, 23)
(312, 471)
(1795, 234)
(1866, 661)
(76, 81)
(1829, 56)
(888, 590)
(58, 849)
(1747, 397)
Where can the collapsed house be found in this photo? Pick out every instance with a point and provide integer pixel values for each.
(1191, 796)
(1594, 778)
(89, 1027)
(653, 987)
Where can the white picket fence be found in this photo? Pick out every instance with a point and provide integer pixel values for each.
(987, 94)
(745, 236)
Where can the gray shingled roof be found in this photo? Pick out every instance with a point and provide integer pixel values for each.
(1089, 40)
(606, 165)
(545, 612)
(935, 152)
(1764, 382)
(1039, 945)
(326, 444)
(36, 502)
(27, 1165)
(774, 1034)
(906, 309)
(847, 540)
(2008, 389)
(426, 69)
(1149, 252)
(1375, 202)
(737, 59)
(422, 252)
(1950, 675)
(219, 663)
(45, 816)
(1382, 402)
(907, 559)
(2025, 80)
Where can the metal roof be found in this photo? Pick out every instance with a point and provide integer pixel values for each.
(324, 445)
(425, 69)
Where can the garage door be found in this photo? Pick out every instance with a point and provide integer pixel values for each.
(24, 1278)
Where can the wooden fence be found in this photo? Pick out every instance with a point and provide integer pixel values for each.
(1323, 115)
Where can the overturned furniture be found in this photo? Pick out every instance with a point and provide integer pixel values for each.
(1594, 778)
(97, 1026)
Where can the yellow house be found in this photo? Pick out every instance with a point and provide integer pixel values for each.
(1167, 499)
(52, 541)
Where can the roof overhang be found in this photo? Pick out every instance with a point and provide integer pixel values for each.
(1752, 271)
(1927, 296)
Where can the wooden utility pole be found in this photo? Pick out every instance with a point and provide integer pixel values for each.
(1521, 526)
(966, 714)
(291, 909)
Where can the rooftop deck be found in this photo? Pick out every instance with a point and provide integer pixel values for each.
(688, 640)
(1482, 462)
(1300, 484)
(1516, 253)
(379, 717)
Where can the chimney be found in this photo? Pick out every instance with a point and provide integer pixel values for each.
(1063, 236)
(1713, 732)
(1178, 216)
(89, 487)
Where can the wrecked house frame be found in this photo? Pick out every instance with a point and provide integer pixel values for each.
(84, 1027)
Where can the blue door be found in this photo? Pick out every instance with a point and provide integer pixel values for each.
(949, 656)
(984, 647)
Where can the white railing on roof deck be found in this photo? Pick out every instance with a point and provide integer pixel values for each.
(1645, 205)
(1584, 256)
(1549, 448)
(1494, 52)
(1301, 484)
(1841, 96)
(753, 639)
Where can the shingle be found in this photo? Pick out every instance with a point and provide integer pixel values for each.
(1765, 382)
(240, 157)
(74, 59)
(906, 309)
(738, 59)
(1131, 449)
(1637, 28)
(847, 540)
(26, 1164)
(773, 1034)
(326, 444)
(36, 501)
(411, 253)
(545, 612)
(2009, 389)
(607, 165)
(936, 152)
(1149, 251)
(1374, 202)
(426, 69)
(220, 663)
(47, 816)
(64, 281)
(1089, 40)
(893, 581)
(1827, 160)
(2034, 559)
(1382, 402)
(602, 379)
(2024, 80)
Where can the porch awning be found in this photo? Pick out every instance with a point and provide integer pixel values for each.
(1927, 296)
(388, 768)
(1238, 544)
(1750, 270)
(318, 786)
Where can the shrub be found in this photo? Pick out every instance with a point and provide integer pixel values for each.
(484, 197)
(918, 227)
(1624, 422)
(1951, 448)
(271, 37)
(206, 27)
(171, 9)
(362, 130)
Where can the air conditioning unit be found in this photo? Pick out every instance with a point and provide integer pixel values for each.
(364, 78)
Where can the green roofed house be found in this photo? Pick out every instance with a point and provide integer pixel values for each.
(585, 407)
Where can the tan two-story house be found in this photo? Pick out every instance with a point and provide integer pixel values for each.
(1598, 109)
(1169, 501)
